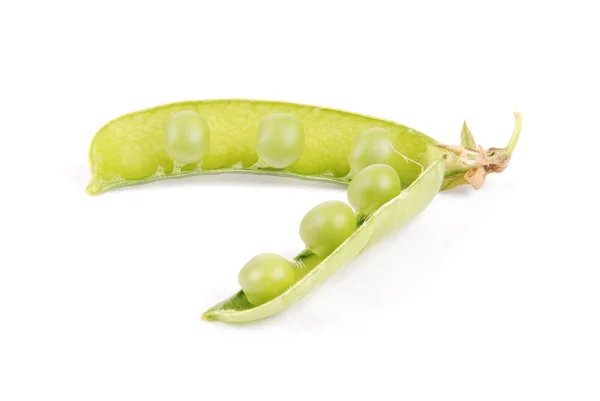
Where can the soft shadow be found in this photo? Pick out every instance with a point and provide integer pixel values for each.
(491, 184)
(462, 191)
(248, 326)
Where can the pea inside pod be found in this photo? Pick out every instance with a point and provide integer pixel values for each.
(372, 187)
(393, 215)
(280, 140)
(265, 277)
(186, 137)
(378, 146)
(302, 141)
(326, 226)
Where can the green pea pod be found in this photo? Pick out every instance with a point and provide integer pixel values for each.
(133, 149)
(387, 218)
(308, 142)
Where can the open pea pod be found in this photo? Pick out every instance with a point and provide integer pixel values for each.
(389, 217)
(132, 149)
(302, 141)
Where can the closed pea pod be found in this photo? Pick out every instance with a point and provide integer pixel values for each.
(307, 142)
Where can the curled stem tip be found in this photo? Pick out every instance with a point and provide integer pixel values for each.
(516, 133)
(472, 164)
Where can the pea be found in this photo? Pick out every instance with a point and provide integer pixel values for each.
(372, 187)
(326, 226)
(187, 137)
(374, 146)
(280, 140)
(265, 277)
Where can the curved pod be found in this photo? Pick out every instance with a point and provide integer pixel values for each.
(389, 217)
(130, 149)
(221, 136)
(280, 140)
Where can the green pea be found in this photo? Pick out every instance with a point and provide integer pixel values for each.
(280, 140)
(372, 187)
(265, 277)
(326, 226)
(374, 146)
(187, 137)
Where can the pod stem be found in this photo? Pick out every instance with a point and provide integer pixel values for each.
(471, 164)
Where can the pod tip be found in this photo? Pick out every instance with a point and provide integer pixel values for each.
(92, 189)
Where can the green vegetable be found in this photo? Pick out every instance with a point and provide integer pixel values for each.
(374, 157)
(326, 226)
(372, 187)
(130, 149)
(377, 146)
(265, 277)
(389, 217)
(186, 137)
(280, 140)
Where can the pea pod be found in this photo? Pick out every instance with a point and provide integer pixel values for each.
(308, 142)
(390, 216)
(132, 149)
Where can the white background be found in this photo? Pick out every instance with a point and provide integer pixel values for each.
(488, 295)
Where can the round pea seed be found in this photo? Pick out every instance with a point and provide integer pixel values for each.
(280, 140)
(265, 277)
(374, 146)
(372, 187)
(326, 226)
(187, 137)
